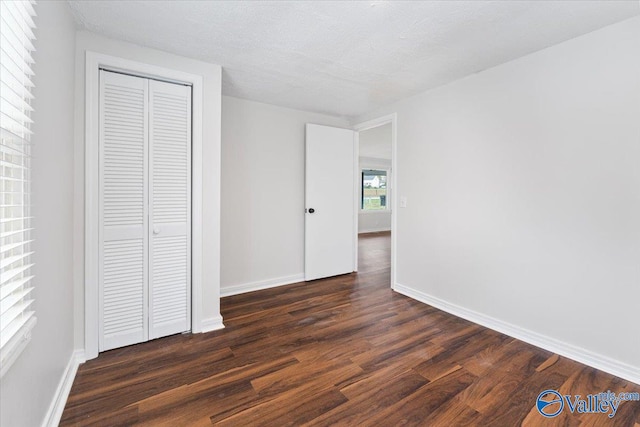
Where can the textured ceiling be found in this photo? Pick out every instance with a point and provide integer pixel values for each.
(346, 58)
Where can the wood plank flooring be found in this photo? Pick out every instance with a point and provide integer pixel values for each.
(340, 351)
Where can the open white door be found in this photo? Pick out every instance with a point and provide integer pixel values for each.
(329, 199)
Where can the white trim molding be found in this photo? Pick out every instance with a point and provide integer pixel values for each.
(260, 285)
(589, 358)
(361, 169)
(212, 324)
(54, 413)
(356, 196)
(93, 63)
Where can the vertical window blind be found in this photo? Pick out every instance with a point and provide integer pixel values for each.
(16, 74)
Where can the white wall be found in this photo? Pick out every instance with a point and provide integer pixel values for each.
(523, 191)
(263, 193)
(29, 386)
(375, 153)
(375, 142)
(210, 165)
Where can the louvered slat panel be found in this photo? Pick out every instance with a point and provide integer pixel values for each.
(124, 155)
(170, 256)
(123, 318)
(169, 301)
(123, 199)
(171, 145)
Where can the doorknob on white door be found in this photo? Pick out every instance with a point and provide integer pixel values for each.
(156, 230)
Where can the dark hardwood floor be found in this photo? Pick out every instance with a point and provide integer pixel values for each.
(339, 351)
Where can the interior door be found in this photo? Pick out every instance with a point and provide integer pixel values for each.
(123, 254)
(330, 201)
(144, 267)
(170, 209)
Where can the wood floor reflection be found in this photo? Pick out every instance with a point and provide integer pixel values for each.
(340, 351)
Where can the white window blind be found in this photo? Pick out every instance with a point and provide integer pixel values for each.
(16, 74)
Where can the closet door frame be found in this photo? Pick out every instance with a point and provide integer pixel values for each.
(93, 63)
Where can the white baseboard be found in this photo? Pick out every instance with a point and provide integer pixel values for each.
(54, 413)
(211, 324)
(589, 358)
(260, 285)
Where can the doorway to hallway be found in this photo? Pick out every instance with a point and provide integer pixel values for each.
(375, 198)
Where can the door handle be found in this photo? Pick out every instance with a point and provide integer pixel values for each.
(311, 210)
(156, 230)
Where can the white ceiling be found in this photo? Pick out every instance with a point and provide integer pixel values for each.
(346, 58)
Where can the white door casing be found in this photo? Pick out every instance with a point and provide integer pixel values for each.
(89, 199)
(329, 200)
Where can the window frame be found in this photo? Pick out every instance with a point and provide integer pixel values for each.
(387, 207)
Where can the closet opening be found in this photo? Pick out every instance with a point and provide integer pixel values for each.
(141, 238)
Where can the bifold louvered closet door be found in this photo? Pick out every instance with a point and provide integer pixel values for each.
(145, 209)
